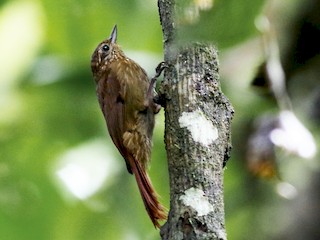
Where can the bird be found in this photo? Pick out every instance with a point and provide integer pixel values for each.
(127, 99)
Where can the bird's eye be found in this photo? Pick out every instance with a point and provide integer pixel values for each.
(105, 48)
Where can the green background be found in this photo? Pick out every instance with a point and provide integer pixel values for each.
(50, 121)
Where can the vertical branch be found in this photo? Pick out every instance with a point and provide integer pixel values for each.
(197, 136)
(168, 28)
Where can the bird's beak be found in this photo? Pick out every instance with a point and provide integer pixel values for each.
(113, 36)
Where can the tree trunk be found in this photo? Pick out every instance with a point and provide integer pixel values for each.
(197, 136)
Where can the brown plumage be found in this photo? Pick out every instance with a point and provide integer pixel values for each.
(126, 100)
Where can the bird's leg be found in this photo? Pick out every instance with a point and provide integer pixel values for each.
(156, 100)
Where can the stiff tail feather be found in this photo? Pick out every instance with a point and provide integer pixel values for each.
(154, 208)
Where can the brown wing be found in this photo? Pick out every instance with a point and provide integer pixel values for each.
(112, 106)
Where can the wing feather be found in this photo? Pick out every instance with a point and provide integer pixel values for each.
(113, 108)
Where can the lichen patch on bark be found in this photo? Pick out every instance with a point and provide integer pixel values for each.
(202, 130)
(196, 199)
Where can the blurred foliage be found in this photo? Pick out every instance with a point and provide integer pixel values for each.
(224, 22)
(50, 121)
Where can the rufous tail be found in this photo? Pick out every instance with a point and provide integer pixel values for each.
(154, 208)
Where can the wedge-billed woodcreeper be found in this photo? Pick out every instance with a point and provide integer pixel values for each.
(126, 98)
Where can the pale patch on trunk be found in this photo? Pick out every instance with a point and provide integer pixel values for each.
(201, 129)
(196, 199)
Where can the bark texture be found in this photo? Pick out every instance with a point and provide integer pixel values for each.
(197, 136)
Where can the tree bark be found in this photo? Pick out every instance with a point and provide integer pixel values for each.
(197, 136)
